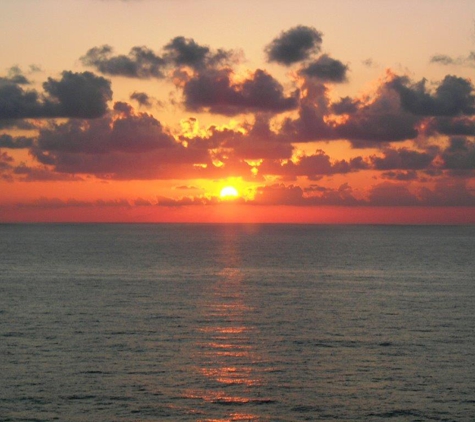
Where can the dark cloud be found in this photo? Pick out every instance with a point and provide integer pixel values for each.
(378, 122)
(369, 63)
(144, 63)
(128, 132)
(392, 194)
(142, 98)
(459, 155)
(123, 145)
(371, 123)
(402, 159)
(295, 45)
(454, 96)
(78, 95)
(310, 125)
(279, 194)
(216, 92)
(18, 142)
(16, 123)
(141, 62)
(258, 142)
(312, 166)
(464, 126)
(400, 175)
(15, 76)
(42, 174)
(181, 51)
(326, 69)
(445, 60)
(5, 161)
(346, 105)
(442, 59)
(451, 193)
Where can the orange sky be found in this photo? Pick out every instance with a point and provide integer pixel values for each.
(315, 112)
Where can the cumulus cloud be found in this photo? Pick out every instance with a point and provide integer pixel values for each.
(5, 160)
(402, 159)
(346, 105)
(217, 93)
(124, 145)
(464, 126)
(446, 60)
(76, 95)
(459, 155)
(42, 174)
(400, 175)
(326, 69)
(18, 142)
(378, 122)
(142, 98)
(294, 45)
(280, 194)
(127, 132)
(312, 166)
(392, 194)
(453, 96)
(141, 62)
(181, 51)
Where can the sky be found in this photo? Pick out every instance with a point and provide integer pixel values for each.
(237, 111)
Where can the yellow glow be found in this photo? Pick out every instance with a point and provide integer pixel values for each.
(229, 192)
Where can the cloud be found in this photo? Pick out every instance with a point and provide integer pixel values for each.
(79, 95)
(126, 132)
(294, 45)
(453, 96)
(312, 166)
(326, 69)
(451, 193)
(464, 126)
(141, 62)
(392, 194)
(217, 93)
(402, 159)
(258, 141)
(378, 122)
(368, 122)
(446, 60)
(124, 145)
(42, 174)
(181, 51)
(280, 194)
(5, 161)
(346, 105)
(144, 63)
(142, 98)
(15, 76)
(311, 125)
(75, 95)
(400, 175)
(8, 141)
(459, 155)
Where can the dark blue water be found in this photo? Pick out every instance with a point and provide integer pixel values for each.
(237, 323)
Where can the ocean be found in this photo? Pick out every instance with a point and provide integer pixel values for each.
(187, 322)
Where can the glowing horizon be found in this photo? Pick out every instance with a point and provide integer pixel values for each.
(244, 119)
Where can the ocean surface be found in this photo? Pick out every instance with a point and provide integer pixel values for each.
(237, 323)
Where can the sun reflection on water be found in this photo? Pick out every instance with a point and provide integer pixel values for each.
(227, 358)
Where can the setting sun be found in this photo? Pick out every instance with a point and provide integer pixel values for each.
(229, 192)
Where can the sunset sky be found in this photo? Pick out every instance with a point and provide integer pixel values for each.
(306, 111)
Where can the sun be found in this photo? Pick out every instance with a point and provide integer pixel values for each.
(228, 192)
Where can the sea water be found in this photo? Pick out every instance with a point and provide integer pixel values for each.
(237, 323)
